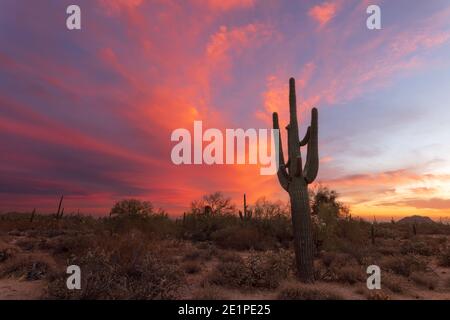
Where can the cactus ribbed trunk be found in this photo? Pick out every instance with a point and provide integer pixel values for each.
(301, 222)
(295, 179)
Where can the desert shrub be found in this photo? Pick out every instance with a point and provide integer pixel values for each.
(427, 280)
(214, 204)
(200, 226)
(377, 295)
(444, 257)
(392, 282)
(387, 247)
(192, 255)
(68, 244)
(132, 207)
(32, 267)
(350, 274)
(339, 267)
(229, 256)
(6, 251)
(417, 247)
(447, 283)
(242, 238)
(27, 244)
(155, 225)
(121, 275)
(191, 267)
(205, 254)
(258, 270)
(307, 293)
(403, 265)
(209, 293)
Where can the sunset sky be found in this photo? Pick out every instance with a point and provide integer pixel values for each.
(89, 113)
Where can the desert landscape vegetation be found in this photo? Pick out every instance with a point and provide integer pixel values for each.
(216, 251)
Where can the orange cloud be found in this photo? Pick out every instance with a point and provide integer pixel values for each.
(227, 5)
(323, 13)
(115, 6)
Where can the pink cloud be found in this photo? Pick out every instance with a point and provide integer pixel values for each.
(323, 13)
(227, 5)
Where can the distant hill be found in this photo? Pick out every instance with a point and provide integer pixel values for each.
(416, 220)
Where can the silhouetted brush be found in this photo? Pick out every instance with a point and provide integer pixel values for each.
(295, 179)
(59, 207)
(372, 234)
(33, 213)
(247, 215)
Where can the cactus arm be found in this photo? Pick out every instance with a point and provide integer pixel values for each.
(282, 174)
(312, 158)
(305, 140)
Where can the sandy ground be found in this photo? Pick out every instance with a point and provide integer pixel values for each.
(15, 289)
(20, 289)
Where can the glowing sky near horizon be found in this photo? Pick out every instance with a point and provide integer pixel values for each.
(89, 113)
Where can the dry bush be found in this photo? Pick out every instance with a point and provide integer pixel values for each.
(121, 275)
(447, 283)
(27, 244)
(230, 256)
(32, 267)
(403, 265)
(350, 274)
(444, 258)
(418, 247)
(7, 251)
(339, 267)
(393, 282)
(242, 238)
(423, 279)
(377, 295)
(307, 293)
(76, 244)
(258, 270)
(192, 255)
(209, 292)
(191, 267)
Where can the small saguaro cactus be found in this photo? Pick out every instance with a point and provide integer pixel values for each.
(247, 215)
(33, 213)
(414, 229)
(372, 234)
(295, 179)
(60, 213)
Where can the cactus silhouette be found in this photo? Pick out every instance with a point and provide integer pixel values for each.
(295, 179)
(247, 214)
(60, 213)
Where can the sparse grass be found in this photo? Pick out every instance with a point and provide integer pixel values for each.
(191, 267)
(377, 295)
(423, 279)
(149, 258)
(30, 268)
(444, 258)
(350, 274)
(258, 270)
(120, 275)
(307, 293)
(6, 251)
(403, 265)
(209, 292)
(393, 282)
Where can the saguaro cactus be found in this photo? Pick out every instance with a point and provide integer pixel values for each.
(247, 215)
(59, 213)
(295, 179)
